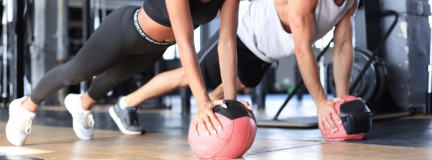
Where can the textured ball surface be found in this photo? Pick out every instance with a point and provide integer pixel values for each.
(236, 137)
(356, 120)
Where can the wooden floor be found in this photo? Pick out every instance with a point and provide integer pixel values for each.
(48, 141)
(61, 143)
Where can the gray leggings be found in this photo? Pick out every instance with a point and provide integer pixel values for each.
(114, 52)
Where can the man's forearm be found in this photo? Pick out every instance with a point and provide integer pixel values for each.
(343, 53)
(342, 64)
(309, 72)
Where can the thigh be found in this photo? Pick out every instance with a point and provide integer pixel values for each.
(107, 46)
(131, 65)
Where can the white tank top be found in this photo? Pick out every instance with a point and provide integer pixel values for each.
(261, 30)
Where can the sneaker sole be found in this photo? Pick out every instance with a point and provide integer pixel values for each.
(15, 139)
(119, 123)
(80, 135)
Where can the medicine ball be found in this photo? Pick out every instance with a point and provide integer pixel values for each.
(356, 120)
(236, 137)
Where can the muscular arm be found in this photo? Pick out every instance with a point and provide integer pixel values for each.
(301, 22)
(343, 52)
(227, 47)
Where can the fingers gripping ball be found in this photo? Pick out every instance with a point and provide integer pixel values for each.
(356, 120)
(236, 137)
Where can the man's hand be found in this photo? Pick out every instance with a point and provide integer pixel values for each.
(327, 115)
(248, 106)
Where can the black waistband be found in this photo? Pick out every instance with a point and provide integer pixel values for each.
(141, 32)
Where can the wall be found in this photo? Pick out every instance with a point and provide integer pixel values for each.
(406, 54)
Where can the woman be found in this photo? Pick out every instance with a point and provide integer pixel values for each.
(128, 41)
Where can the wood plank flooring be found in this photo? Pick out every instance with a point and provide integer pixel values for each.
(61, 143)
(52, 137)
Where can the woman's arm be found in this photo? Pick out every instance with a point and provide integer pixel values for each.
(181, 22)
(343, 52)
(227, 47)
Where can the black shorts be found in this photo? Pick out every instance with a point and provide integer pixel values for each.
(250, 71)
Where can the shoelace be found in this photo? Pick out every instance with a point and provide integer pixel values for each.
(86, 118)
(25, 126)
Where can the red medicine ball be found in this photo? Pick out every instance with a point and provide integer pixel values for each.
(237, 135)
(356, 120)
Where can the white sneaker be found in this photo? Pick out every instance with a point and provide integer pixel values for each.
(83, 122)
(19, 123)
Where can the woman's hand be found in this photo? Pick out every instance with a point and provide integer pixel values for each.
(206, 119)
(327, 115)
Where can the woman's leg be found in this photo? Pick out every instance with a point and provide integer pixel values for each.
(125, 117)
(133, 64)
(103, 50)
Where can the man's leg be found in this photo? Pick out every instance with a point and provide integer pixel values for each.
(218, 92)
(162, 83)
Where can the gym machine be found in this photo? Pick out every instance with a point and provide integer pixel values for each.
(429, 93)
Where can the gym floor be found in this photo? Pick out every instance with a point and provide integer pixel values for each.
(52, 137)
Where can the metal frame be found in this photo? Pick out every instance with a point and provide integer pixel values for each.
(15, 23)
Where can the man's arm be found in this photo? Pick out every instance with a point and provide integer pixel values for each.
(301, 22)
(343, 52)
